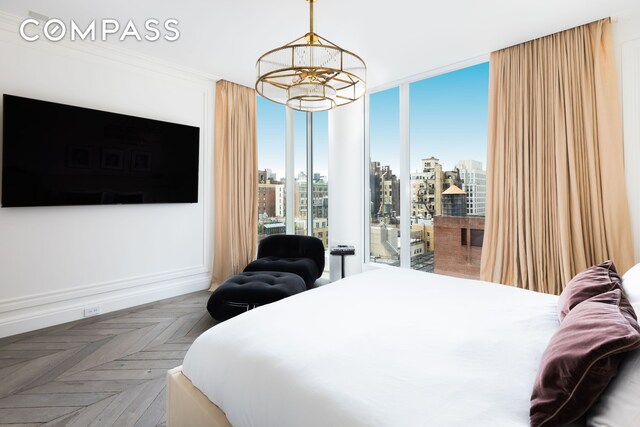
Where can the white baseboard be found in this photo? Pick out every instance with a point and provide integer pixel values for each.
(42, 314)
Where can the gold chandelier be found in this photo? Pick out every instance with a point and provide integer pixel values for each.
(311, 73)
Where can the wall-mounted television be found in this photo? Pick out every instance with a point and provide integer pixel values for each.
(59, 155)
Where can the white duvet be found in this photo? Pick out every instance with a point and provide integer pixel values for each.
(391, 347)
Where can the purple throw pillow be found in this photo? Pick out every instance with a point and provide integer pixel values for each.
(593, 281)
(582, 358)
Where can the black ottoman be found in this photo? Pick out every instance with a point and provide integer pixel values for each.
(248, 290)
(305, 268)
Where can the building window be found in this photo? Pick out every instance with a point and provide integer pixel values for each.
(463, 236)
(477, 237)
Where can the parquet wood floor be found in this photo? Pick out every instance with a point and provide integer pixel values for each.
(107, 370)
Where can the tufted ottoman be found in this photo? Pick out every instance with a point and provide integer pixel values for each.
(248, 290)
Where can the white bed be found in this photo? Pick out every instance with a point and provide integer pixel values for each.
(391, 347)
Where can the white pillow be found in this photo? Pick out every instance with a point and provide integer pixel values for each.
(631, 284)
(618, 406)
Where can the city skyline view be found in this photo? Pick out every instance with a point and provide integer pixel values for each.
(447, 128)
(448, 117)
(447, 160)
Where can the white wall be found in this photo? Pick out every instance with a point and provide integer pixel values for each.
(627, 39)
(346, 192)
(55, 261)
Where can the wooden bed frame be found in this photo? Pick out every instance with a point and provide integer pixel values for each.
(188, 407)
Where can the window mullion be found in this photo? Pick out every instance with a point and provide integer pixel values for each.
(310, 174)
(290, 178)
(405, 182)
(366, 254)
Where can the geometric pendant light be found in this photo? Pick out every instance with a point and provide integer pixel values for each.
(311, 73)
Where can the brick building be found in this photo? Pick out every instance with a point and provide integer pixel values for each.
(271, 203)
(459, 245)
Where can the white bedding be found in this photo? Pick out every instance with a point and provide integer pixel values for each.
(391, 347)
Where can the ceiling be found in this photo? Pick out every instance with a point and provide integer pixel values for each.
(397, 39)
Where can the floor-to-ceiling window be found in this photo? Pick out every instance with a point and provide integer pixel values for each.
(271, 128)
(384, 184)
(448, 134)
(308, 173)
(311, 147)
(447, 177)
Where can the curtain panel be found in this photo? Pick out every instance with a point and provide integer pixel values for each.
(556, 194)
(235, 185)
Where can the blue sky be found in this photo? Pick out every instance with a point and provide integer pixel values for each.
(271, 139)
(448, 121)
(271, 136)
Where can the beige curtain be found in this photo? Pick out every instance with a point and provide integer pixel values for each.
(556, 195)
(235, 186)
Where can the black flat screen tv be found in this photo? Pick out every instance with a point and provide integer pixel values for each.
(59, 155)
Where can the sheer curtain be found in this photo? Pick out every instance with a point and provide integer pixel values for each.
(235, 183)
(556, 194)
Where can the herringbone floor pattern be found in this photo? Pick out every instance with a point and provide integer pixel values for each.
(108, 370)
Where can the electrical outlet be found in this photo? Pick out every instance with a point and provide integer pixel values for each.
(92, 311)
